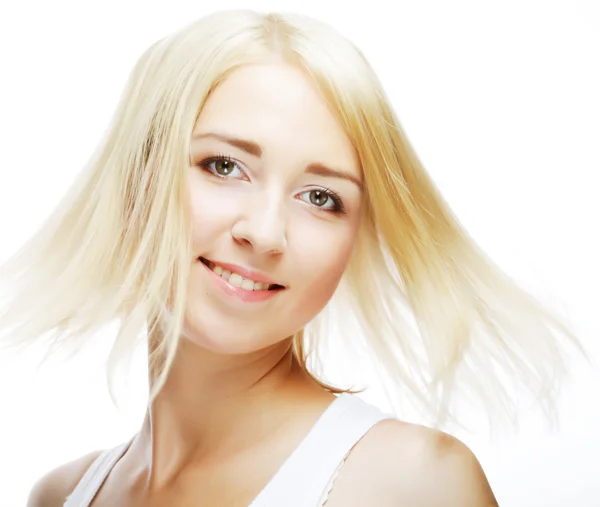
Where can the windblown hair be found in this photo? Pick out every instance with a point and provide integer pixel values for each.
(118, 245)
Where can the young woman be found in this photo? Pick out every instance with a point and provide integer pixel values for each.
(254, 186)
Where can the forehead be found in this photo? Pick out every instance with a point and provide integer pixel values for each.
(280, 108)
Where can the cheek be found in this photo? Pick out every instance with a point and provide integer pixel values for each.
(321, 271)
(211, 211)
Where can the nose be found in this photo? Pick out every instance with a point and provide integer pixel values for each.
(262, 227)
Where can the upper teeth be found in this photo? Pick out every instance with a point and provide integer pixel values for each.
(238, 281)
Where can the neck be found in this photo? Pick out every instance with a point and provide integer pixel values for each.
(214, 406)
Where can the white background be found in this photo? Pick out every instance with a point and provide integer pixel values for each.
(501, 100)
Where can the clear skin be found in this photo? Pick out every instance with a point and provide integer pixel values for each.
(235, 366)
(236, 404)
(261, 216)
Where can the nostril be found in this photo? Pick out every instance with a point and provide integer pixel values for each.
(243, 241)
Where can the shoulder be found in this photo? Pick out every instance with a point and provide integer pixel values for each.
(398, 463)
(437, 468)
(52, 489)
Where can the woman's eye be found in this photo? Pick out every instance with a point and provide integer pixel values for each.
(324, 199)
(222, 167)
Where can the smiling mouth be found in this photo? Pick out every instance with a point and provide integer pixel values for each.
(237, 280)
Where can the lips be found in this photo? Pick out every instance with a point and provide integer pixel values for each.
(243, 278)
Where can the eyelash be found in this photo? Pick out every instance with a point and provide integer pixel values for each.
(338, 208)
(219, 157)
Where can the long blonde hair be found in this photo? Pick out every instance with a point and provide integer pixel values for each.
(118, 246)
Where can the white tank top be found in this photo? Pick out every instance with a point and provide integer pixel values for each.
(315, 462)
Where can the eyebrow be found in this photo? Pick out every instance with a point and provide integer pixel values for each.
(255, 150)
(248, 146)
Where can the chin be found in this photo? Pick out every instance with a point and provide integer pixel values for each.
(230, 339)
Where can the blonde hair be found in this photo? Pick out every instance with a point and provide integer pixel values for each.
(118, 245)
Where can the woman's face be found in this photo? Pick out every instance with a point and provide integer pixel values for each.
(275, 196)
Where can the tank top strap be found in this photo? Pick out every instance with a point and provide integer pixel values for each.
(94, 477)
(307, 476)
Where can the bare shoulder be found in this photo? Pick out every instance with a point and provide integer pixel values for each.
(52, 489)
(398, 463)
